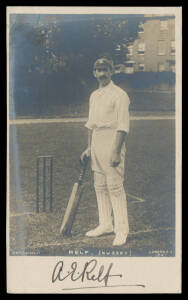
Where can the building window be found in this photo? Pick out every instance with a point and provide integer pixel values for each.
(172, 66)
(172, 48)
(130, 49)
(164, 25)
(119, 68)
(141, 28)
(161, 67)
(161, 48)
(118, 48)
(141, 48)
(129, 67)
(141, 67)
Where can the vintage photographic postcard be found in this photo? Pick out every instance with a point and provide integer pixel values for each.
(94, 149)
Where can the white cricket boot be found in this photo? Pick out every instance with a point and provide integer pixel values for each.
(98, 231)
(120, 239)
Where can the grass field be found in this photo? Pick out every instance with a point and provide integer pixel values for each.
(146, 101)
(150, 187)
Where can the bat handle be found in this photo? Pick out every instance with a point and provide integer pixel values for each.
(82, 173)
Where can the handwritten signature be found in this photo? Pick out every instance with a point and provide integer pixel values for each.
(89, 272)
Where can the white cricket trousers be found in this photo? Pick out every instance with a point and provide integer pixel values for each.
(108, 181)
(111, 197)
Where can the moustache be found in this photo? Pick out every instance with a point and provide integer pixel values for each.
(102, 77)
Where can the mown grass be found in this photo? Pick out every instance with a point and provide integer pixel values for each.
(150, 174)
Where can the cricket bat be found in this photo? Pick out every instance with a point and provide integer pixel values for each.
(73, 202)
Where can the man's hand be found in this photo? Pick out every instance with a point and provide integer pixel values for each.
(115, 159)
(85, 154)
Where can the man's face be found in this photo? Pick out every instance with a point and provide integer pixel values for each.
(102, 73)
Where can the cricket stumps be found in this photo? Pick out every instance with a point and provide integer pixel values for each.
(44, 183)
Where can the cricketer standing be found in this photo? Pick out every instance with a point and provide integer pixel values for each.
(108, 126)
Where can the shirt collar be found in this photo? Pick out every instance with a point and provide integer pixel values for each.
(109, 85)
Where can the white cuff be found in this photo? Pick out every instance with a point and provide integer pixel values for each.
(123, 128)
(88, 125)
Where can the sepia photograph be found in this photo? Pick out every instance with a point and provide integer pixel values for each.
(92, 112)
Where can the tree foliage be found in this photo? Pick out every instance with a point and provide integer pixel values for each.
(62, 42)
(53, 55)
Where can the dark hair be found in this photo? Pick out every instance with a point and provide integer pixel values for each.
(104, 61)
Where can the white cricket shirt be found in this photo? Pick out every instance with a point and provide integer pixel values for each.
(109, 108)
(108, 113)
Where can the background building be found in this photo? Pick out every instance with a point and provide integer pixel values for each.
(51, 53)
(154, 50)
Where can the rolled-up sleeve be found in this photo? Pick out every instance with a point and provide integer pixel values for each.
(90, 124)
(123, 112)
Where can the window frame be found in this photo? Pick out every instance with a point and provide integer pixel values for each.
(172, 66)
(172, 48)
(164, 22)
(141, 64)
(163, 64)
(141, 28)
(130, 52)
(143, 51)
(161, 53)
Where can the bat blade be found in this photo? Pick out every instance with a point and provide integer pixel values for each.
(73, 202)
(69, 224)
(69, 209)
